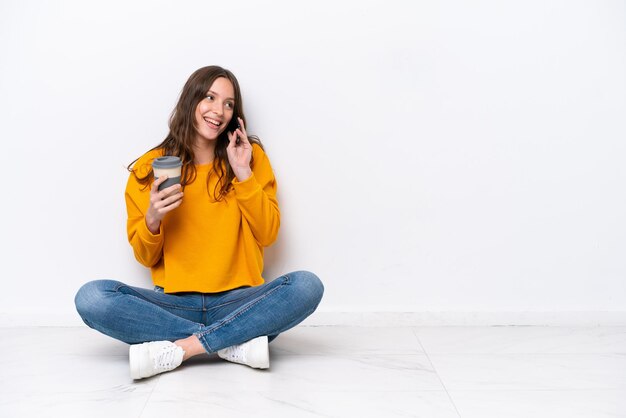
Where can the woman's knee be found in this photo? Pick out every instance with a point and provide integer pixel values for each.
(308, 285)
(89, 298)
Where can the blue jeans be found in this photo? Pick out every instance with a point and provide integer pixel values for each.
(219, 320)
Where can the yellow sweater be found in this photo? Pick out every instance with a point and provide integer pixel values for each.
(206, 246)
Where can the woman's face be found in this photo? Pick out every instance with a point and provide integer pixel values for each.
(215, 111)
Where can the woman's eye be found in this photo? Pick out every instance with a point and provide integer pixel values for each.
(209, 97)
(229, 105)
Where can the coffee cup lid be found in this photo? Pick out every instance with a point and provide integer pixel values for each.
(167, 161)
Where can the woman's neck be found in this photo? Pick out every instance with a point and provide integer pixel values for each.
(204, 152)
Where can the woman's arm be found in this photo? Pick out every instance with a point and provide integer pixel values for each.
(147, 247)
(145, 233)
(256, 196)
(255, 187)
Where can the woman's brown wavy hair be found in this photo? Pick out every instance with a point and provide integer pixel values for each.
(182, 135)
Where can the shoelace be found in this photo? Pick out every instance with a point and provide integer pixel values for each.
(165, 359)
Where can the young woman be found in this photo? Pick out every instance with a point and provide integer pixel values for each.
(203, 240)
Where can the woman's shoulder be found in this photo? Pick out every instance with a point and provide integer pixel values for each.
(261, 165)
(143, 165)
(258, 152)
(257, 149)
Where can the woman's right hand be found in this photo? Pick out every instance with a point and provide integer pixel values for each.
(162, 202)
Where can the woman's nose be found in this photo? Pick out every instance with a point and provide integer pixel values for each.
(218, 109)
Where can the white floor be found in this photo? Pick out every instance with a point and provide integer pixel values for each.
(481, 372)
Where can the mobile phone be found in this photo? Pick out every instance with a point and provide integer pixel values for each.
(234, 125)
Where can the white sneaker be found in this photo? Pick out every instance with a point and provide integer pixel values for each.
(254, 353)
(155, 357)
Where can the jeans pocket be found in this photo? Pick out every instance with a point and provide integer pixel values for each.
(158, 289)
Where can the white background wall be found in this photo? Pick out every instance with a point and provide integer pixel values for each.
(439, 156)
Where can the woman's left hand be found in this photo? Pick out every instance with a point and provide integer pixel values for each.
(240, 154)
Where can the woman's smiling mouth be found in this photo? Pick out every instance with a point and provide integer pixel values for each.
(213, 123)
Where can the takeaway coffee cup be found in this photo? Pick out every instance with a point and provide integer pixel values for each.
(169, 166)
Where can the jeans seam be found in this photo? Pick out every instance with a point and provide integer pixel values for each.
(156, 302)
(230, 302)
(231, 318)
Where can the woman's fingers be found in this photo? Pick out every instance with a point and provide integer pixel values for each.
(243, 134)
(164, 197)
(163, 193)
(163, 201)
(169, 203)
(169, 190)
(156, 183)
(241, 126)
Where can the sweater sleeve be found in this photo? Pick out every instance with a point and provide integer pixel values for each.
(147, 247)
(256, 197)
